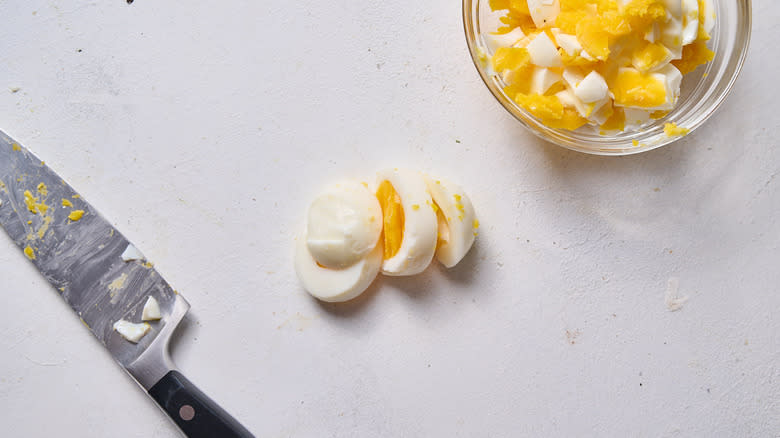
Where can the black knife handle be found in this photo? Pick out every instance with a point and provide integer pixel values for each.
(193, 411)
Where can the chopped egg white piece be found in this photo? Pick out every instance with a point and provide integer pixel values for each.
(671, 31)
(573, 77)
(653, 33)
(457, 221)
(544, 12)
(542, 79)
(709, 15)
(131, 331)
(690, 21)
(586, 110)
(336, 285)
(569, 43)
(672, 79)
(132, 253)
(344, 224)
(591, 88)
(418, 236)
(635, 118)
(151, 310)
(543, 51)
(495, 40)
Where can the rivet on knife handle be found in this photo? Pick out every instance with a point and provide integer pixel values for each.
(193, 411)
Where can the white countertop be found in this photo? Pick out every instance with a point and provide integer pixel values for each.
(203, 130)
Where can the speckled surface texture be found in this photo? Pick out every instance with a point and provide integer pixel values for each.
(202, 131)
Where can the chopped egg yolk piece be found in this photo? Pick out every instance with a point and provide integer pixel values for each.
(650, 56)
(392, 218)
(672, 130)
(66, 203)
(550, 111)
(29, 253)
(635, 89)
(76, 215)
(693, 55)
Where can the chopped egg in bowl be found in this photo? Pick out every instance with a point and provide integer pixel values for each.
(606, 76)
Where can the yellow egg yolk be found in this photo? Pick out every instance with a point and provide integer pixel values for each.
(634, 89)
(651, 55)
(33, 203)
(693, 55)
(76, 215)
(29, 253)
(550, 111)
(672, 130)
(392, 218)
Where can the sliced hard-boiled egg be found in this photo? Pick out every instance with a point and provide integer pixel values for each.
(131, 331)
(151, 310)
(457, 221)
(344, 224)
(409, 221)
(544, 12)
(336, 285)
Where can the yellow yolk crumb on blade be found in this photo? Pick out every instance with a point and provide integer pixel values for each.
(66, 203)
(392, 218)
(639, 48)
(29, 253)
(76, 215)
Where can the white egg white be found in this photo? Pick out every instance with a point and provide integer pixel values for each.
(457, 221)
(344, 224)
(336, 285)
(131, 331)
(151, 310)
(418, 244)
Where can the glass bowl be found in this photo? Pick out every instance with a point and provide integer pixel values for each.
(703, 90)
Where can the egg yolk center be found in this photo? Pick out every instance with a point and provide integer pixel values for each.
(392, 218)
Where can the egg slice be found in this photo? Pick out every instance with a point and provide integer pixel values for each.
(340, 253)
(410, 227)
(457, 222)
(344, 224)
(336, 285)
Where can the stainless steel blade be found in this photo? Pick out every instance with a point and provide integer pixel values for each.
(82, 260)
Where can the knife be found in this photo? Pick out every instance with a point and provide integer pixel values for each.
(81, 255)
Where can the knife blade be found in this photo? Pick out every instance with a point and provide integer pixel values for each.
(80, 253)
